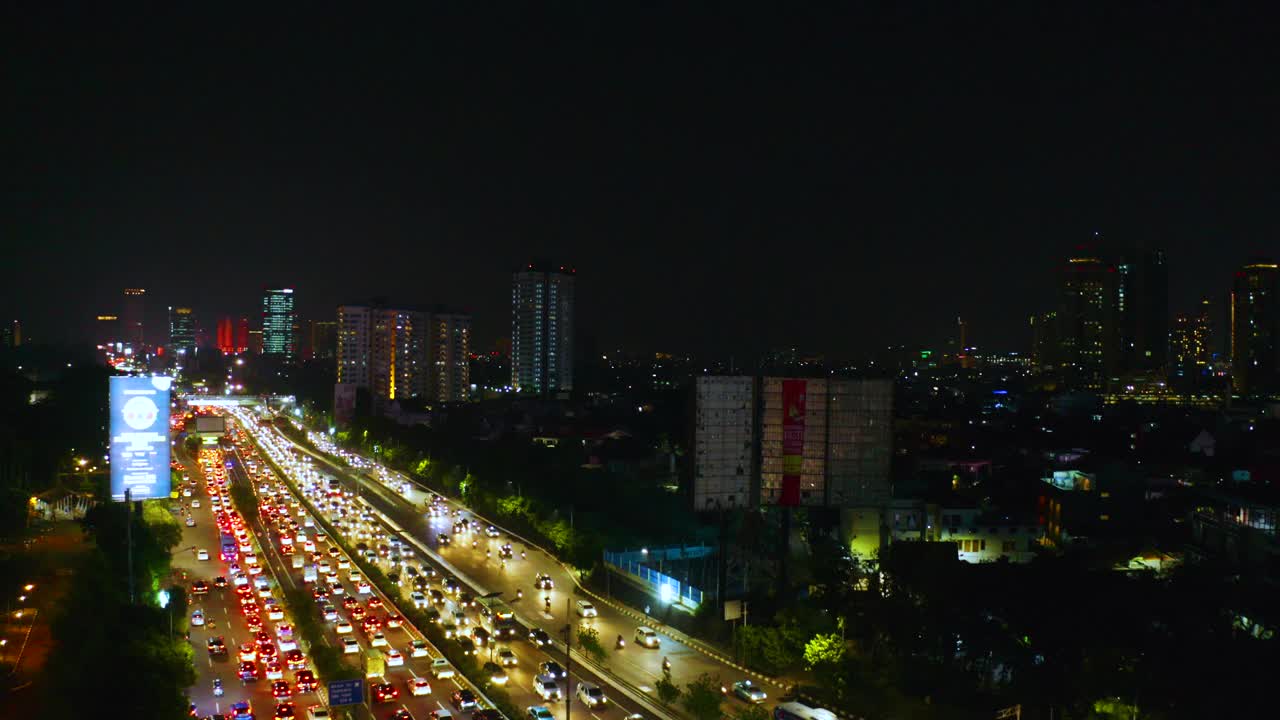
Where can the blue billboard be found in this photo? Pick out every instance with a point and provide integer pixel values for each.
(139, 437)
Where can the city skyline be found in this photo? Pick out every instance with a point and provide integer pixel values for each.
(853, 178)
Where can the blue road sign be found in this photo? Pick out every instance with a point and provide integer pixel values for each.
(346, 692)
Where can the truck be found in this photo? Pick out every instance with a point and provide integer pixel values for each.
(375, 665)
(309, 573)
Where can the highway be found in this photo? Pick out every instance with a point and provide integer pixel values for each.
(520, 677)
(479, 567)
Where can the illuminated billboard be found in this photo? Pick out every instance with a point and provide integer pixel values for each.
(139, 437)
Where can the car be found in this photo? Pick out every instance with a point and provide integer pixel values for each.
(267, 651)
(552, 668)
(318, 712)
(480, 636)
(288, 644)
(487, 714)
(466, 599)
(491, 531)
(195, 502)
(748, 691)
(394, 657)
(343, 627)
(507, 658)
(202, 554)
(546, 687)
(336, 588)
(248, 671)
(281, 689)
(538, 712)
(330, 613)
(285, 710)
(241, 711)
(450, 630)
(539, 637)
(441, 669)
(374, 604)
(384, 693)
(586, 609)
(217, 646)
(305, 681)
(463, 699)
(275, 612)
(190, 521)
(467, 645)
(401, 714)
(647, 637)
(350, 646)
(419, 686)
(364, 588)
(357, 613)
(460, 618)
(247, 653)
(542, 581)
(495, 673)
(394, 621)
(418, 648)
(220, 582)
(591, 695)
(197, 617)
(378, 640)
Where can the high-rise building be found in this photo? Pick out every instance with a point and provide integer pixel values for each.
(542, 329)
(182, 331)
(11, 335)
(242, 335)
(255, 342)
(384, 350)
(134, 316)
(1255, 329)
(792, 442)
(450, 357)
(1142, 311)
(277, 323)
(322, 339)
(1086, 318)
(353, 345)
(1044, 341)
(226, 336)
(1191, 345)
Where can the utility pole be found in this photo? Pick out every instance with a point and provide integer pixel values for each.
(568, 660)
(128, 537)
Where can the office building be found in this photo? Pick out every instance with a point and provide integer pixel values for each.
(449, 374)
(182, 331)
(1044, 342)
(322, 340)
(11, 335)
(134, 316)
(542, 327)
(107, 330)
(242, 335)
(1255, 329)
(724, 442)
(254, 346)
(277, 324)
(1086, 318)
(1191, 345)
(226, 336)
(1142, 312)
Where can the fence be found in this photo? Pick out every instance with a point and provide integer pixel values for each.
(662, 585)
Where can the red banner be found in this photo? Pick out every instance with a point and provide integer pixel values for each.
(793, 402)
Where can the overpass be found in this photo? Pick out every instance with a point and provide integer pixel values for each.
(197, 400)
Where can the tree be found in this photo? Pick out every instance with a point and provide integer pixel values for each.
(702, 697)
(823, 649)
(589, 641)
(668, 692)
(753, 712)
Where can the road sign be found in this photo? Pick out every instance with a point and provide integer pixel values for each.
(346, 692)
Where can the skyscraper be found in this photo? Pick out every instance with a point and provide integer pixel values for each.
(241, 343)
(1044, 341)
(11, 335)
(1255, 329)
(1191, 346)
(182, 330)
(450, 357)
(1086, 318)
(1142, 311)
(277, 324)
(542, 330)
(322, 337)
(133, 317)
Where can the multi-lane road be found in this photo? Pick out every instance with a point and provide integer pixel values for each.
(474, 559)
(520, 678)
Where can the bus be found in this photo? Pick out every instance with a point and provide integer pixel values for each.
(498, 618)
(228, 548)
(335, 488)
(795, 710)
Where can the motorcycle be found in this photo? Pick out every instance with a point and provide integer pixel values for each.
(666, 664)
(621, 643)
(217, 688)
(519, 594)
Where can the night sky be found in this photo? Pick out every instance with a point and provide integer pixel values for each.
(724, 178)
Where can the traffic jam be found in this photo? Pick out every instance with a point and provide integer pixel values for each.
(399, 660)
